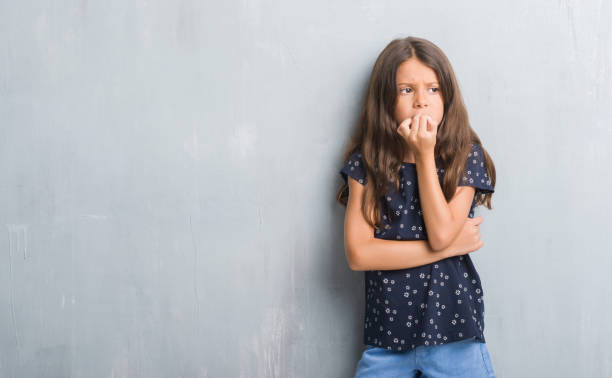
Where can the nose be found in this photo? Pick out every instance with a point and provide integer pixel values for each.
(420, 100)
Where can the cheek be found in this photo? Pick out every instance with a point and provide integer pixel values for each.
(400, 113)
(440, 110)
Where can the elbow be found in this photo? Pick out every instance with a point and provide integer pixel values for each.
(355, 267)
(354, 262)
(438, 242)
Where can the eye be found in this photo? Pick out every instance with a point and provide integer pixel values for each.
(435, 89)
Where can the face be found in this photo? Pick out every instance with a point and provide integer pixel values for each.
(418, 91)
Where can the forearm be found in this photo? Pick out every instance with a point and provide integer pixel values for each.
(437, 214)
(381, 254)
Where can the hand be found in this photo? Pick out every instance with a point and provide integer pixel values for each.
(420, 133)
(468, 239)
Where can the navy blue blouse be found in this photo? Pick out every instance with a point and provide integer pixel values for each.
(432, 304)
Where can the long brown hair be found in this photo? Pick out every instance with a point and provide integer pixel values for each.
(382, 148)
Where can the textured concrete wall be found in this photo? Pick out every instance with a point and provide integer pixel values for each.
(168, 172)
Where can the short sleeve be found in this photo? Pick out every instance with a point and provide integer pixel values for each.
(354, 168)
(475, 173)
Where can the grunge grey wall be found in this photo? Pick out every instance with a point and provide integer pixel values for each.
(169, 169)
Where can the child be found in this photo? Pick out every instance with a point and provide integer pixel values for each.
(418, 171)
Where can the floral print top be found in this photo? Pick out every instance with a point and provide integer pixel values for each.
(427, 305)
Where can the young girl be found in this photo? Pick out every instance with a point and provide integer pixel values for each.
(417, 172)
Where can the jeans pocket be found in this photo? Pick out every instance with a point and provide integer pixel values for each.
(487, 359)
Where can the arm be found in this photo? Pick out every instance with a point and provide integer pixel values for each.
(365, 252)
(443, 220)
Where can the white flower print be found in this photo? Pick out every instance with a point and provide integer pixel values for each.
(422, 313)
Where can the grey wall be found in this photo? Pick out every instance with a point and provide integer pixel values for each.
(168, 173)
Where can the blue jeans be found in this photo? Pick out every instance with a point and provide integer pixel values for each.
(465, 358)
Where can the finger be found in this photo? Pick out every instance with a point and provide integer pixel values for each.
(404, 127)
(414, 129)
(434, 128)
(426, 128)
(423, 125)
(430, 127)
(478, 220)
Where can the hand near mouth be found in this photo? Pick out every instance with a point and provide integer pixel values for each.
(420, 133)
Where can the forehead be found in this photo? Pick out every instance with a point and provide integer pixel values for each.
(414, 71)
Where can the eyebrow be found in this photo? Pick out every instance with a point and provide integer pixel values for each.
(431, 82)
